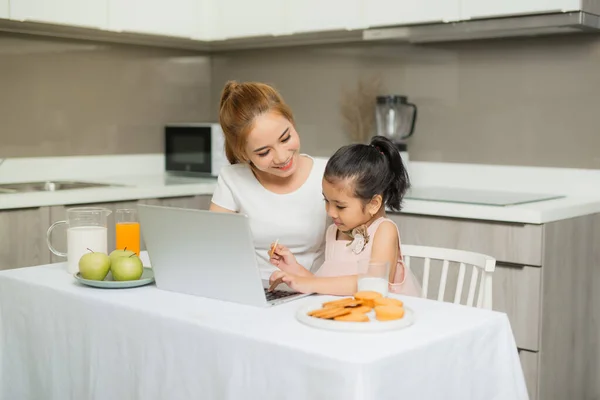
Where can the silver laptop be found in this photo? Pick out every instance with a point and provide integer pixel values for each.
(208, 254)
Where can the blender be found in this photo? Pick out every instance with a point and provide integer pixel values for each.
(395, 119)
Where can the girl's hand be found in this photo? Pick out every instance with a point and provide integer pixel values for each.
(282, 258)
(298, 283)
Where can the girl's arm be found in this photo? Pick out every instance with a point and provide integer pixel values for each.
(337, 286)
(385, 246)
(282, 258)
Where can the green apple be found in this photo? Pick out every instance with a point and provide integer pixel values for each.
(94, 266)
(120, 253)
(127, 268)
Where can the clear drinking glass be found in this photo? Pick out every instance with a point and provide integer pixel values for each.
(373, 276)
(127, 230)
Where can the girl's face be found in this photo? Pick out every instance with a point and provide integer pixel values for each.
(273, 145)
(346, 210)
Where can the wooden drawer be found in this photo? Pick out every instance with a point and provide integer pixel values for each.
(201, 202)
(517, 292)
(530, 365)
(23, 237)
(511, 243)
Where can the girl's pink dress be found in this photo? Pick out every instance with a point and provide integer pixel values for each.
(340, 260)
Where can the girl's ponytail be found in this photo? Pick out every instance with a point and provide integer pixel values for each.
(399, 181)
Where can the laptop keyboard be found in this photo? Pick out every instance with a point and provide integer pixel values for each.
(278, 294)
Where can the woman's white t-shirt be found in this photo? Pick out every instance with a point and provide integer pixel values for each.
(298, 219)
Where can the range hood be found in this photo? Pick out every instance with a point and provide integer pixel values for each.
(528, 25)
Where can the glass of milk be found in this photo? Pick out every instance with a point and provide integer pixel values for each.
(373, 276)
(86, 231)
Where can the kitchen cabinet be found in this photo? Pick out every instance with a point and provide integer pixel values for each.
(494, 8)
(4, 9)
(544, 282)
(85, 13)
(179, 18)
(400, 12)
(23, 237)
(195, 202)
(239, 19)
(317, 16)
(529, 364)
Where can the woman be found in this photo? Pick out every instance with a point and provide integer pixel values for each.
(269, 180)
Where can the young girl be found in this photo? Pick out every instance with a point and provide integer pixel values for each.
(359, 182)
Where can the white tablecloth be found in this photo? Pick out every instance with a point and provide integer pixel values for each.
(62, 340)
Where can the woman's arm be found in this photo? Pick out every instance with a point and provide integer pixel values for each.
(216, 208)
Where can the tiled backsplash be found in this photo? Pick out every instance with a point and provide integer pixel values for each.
(62, 98)
(524, 101)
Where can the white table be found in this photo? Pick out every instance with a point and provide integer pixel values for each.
(61, 340)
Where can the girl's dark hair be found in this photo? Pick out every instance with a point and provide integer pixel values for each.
(375, 168)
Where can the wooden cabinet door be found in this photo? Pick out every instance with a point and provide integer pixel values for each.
(23, 237)
(510, 243)
(530, 365)
(195, 202)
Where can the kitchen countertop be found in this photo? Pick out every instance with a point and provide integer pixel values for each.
(144, 178)
(133, 187)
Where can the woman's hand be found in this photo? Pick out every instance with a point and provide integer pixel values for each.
(282, 258)
(298, 283)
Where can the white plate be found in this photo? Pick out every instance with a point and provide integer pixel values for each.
(108, 282)
(372, 326)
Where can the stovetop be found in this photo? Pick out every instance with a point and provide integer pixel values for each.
(473, 196)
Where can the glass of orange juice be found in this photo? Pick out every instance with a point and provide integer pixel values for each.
(127, 230)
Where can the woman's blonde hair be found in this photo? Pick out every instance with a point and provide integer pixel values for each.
(240, 104)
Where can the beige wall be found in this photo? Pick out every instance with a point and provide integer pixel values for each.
(520, 101)
(64, 98)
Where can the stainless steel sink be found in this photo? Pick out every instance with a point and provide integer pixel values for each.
(50, 186)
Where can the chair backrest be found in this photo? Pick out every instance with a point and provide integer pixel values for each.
(482, 267)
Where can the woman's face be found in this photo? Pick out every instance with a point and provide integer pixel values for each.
(273, 145)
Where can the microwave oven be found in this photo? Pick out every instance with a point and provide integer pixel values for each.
(194, 149)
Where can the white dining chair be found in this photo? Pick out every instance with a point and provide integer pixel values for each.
(482, 268)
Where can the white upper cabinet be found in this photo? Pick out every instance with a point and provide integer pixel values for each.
(86, 13)
(494, 8)
(3, 8)
(179, 18)
(245, 18)
(400, 12)
(207, 21)
(318, 15)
